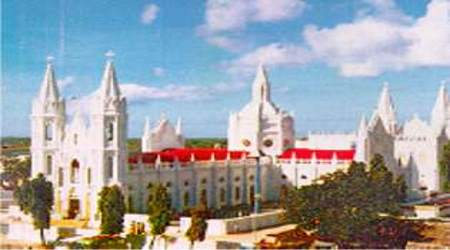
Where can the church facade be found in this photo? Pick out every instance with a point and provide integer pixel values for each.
(83, 153)
(261, 124)
(80, 155)
(412, 149)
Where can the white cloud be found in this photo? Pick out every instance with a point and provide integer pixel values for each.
(158, 71)
(275, 54)
(374, 44)
(138, 92)
(224, 17)
(386, 10)
(269, 10)
(228, 15)
(224, 42)
(149, 14)
(62, 83)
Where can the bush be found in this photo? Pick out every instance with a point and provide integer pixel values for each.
(76, 245)
(231, 211)
(137, 240)
(104, 241)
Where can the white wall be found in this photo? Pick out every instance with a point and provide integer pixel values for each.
(218, 227)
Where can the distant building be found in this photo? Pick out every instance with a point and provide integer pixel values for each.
(163, 136)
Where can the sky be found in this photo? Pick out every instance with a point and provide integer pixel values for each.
(195, 59)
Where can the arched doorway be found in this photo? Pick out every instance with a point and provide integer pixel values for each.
(74, 205)
(74, 171)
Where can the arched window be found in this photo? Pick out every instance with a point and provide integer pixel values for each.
(252, 195)
(110, 167)
(130, 204)
(74, 171)
(237, 193)
(89, 176)
(222, 195)
(186, 199)
(60, 177)
(48, 131)
(110, 131)
(203, 197)
(49, 164)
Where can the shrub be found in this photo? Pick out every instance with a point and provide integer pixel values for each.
(137, 240)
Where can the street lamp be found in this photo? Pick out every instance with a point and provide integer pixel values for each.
(257, 154)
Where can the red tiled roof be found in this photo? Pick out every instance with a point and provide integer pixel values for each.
(220, 154)
(320, 154)
(185, 155)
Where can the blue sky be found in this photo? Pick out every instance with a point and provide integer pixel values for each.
(195, 59)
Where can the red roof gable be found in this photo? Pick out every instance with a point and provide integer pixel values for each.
(320, 154)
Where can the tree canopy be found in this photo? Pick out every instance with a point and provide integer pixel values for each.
(111, 205)
(197, 230)
(15, 172)
(36, 197)
(159, 212)
(346, 206)
(444, 168)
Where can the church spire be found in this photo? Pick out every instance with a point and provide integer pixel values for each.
(147, 126)
(261, 87)
(178, 126)
(49, 89)
(109, 87)
(361, 140)
(386, 111)
(362, 130)
(440, 109)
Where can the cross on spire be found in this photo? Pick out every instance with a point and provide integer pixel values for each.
(49, 59)
(110, 55)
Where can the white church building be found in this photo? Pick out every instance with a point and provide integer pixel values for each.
(83, 153)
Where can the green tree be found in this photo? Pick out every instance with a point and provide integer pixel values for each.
(159, 211)
(444, 168)
(384, 189)
(401, 188)
(36, 197)
(346, 206)
(111, 205)
(197, 230)
(15, 172)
